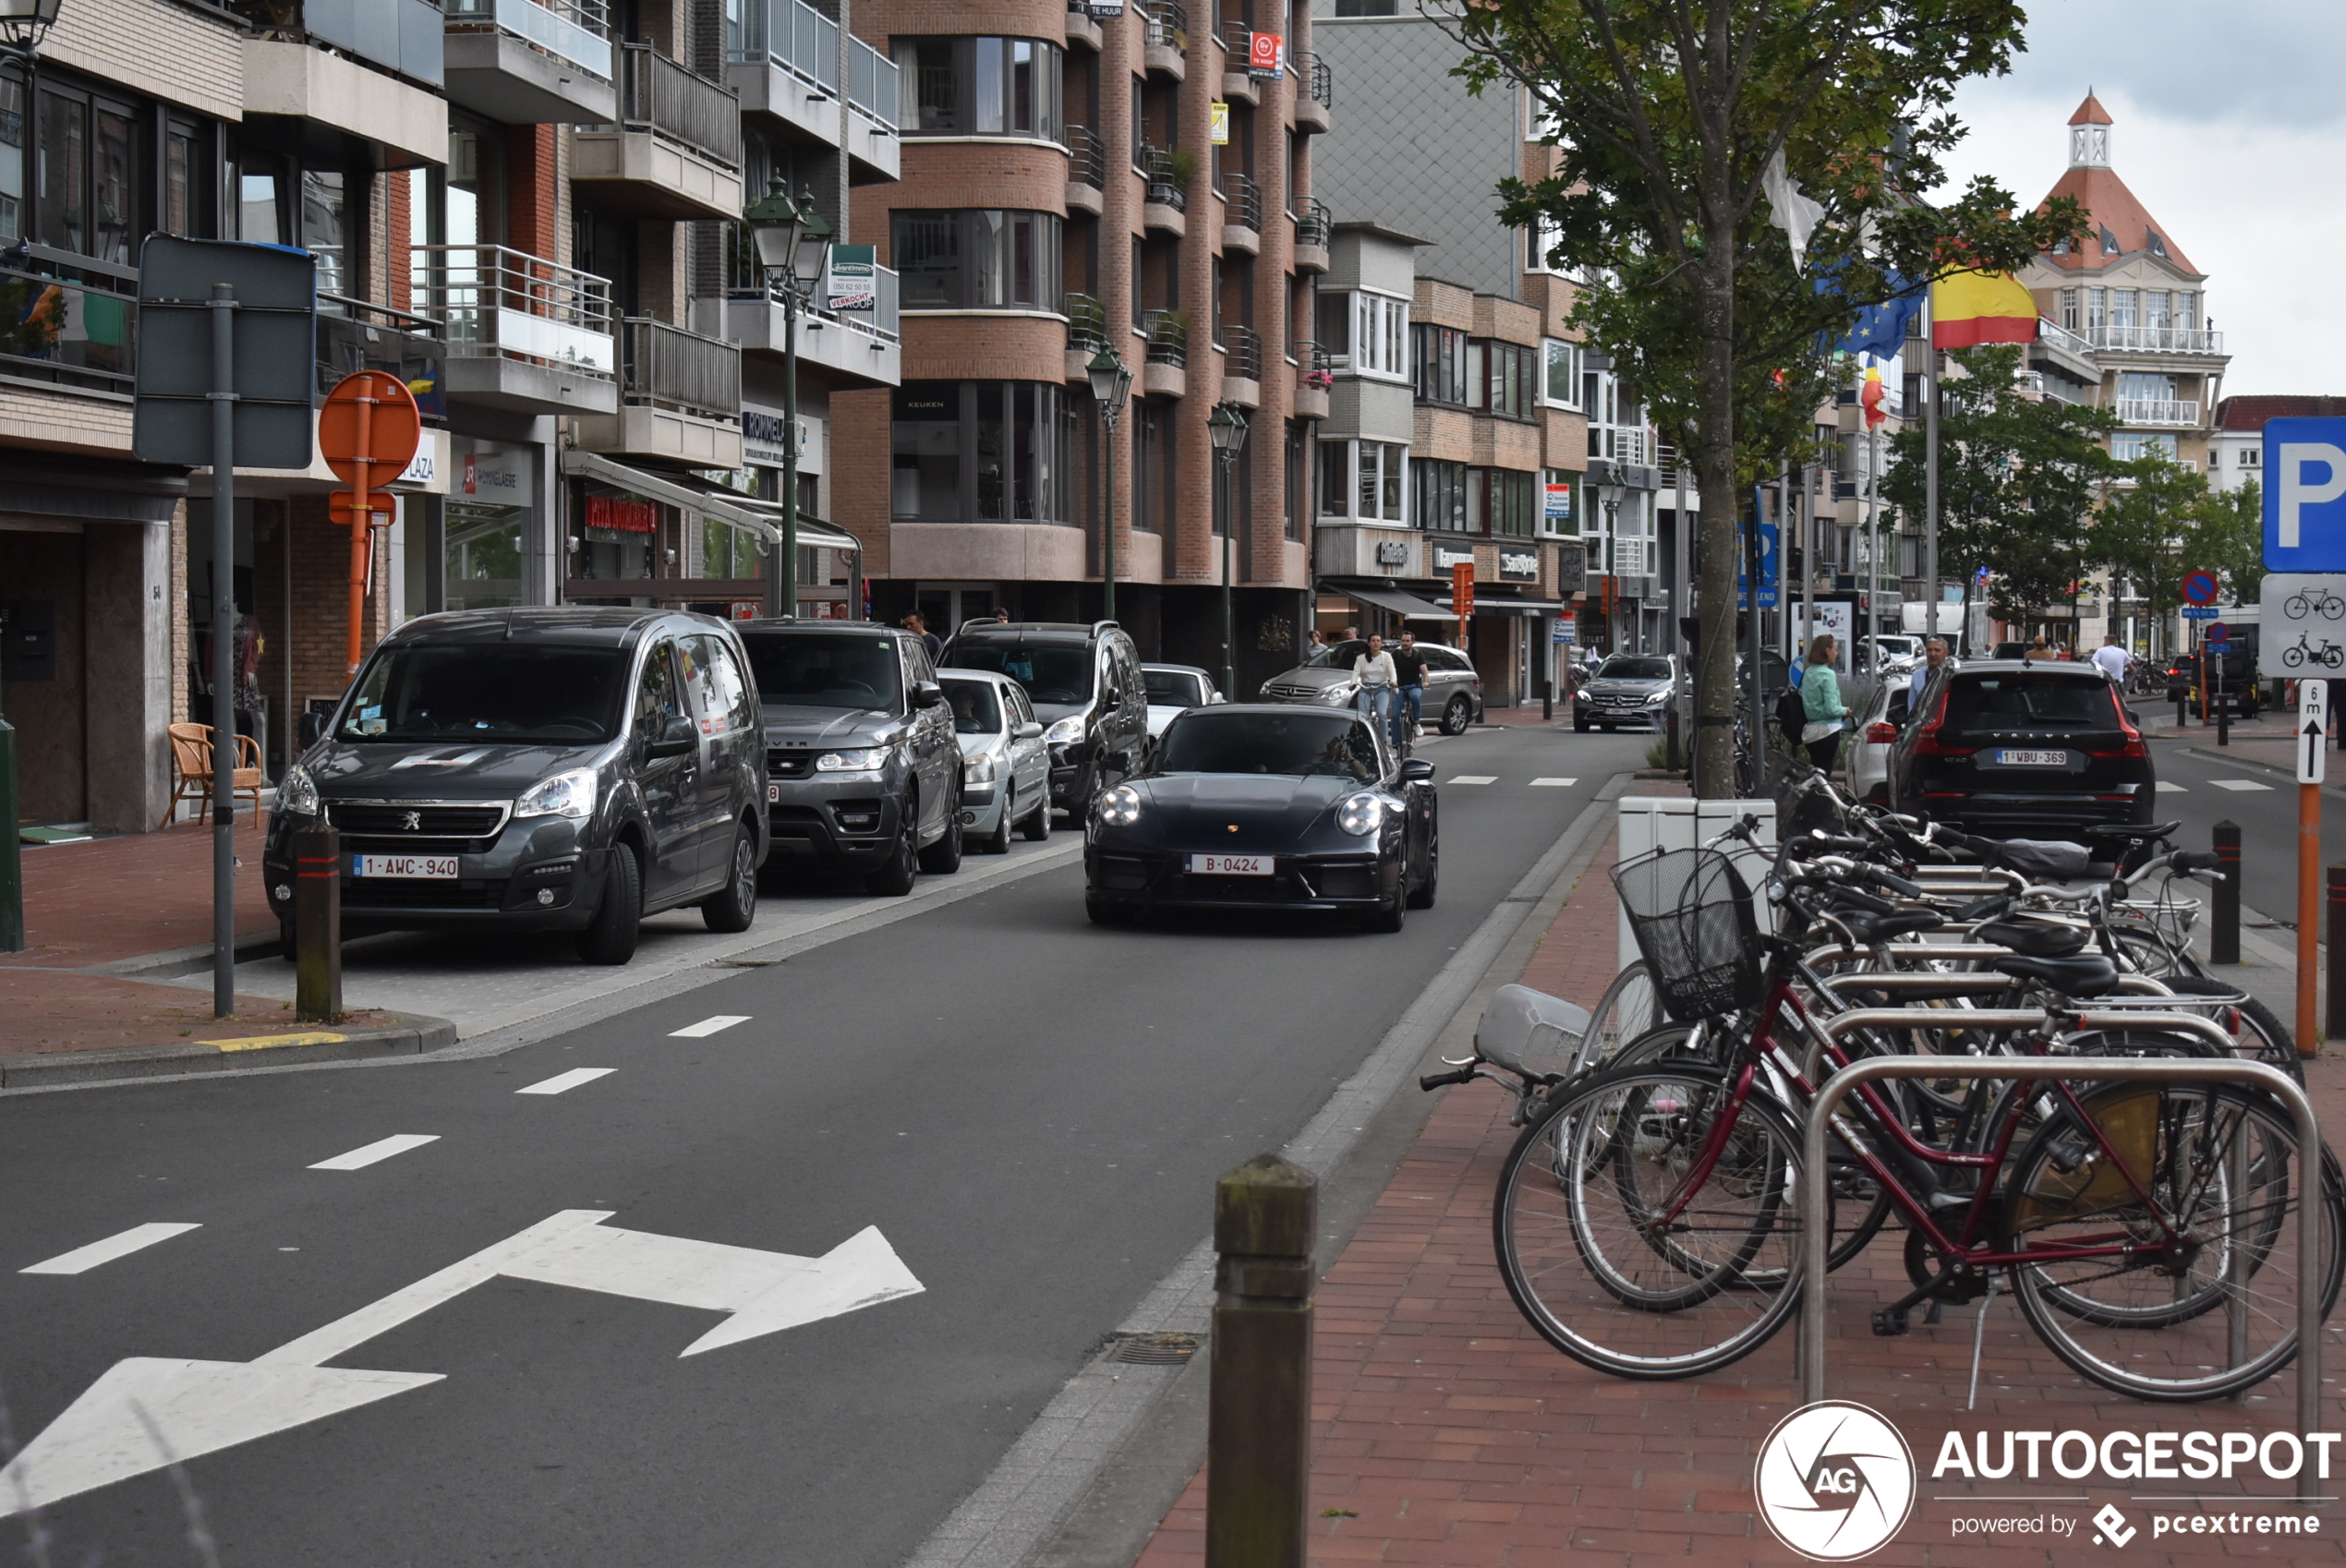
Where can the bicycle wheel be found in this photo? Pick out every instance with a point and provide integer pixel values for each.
(2225, 1174)
(1628, 1010)
(1618, 1255)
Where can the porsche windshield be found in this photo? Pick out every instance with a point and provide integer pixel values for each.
(1299, 744)
(489, 691)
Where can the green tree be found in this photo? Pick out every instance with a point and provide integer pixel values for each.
(2164, 520)
(2018, 480)
(1669, 115)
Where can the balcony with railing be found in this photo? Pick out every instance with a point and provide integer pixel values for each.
(1166, 357)
(1086, 323)
(358, 335)
(675, 150)
(1167, 198)
(1241, 213)
(372, 70)
(872, 85)
(1165, 36)
(1082, 27)
(1241, 364)
(2156, 340)
(863, 347)
(403, 36)
(531, 62)
(523, 333)
(69, 322)
(680, 397)
(1314, 91)
(1314, 230)
(2172, 411)
(1086, 171)
(1315, 374)
(1238, 83)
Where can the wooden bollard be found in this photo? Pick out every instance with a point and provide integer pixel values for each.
(2223, 933)
(317, 953)
(1258, 1468)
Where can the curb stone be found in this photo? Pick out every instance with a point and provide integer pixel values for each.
(400, 1034)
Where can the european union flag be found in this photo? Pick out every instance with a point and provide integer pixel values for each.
(1881, 330)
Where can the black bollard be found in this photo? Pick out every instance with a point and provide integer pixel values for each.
(2223, 935)
(1259, 1402)
(2334, 1014)
(317, 953)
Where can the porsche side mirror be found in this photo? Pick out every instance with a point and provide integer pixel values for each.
(1417, 770)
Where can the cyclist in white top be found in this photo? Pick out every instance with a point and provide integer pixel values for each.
(1378, 679)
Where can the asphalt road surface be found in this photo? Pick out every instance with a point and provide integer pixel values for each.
(478, 1310)
(2201, 792)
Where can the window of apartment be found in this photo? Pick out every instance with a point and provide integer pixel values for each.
(2069, 308)
(2128, 445)
(2134, 386)
(1439, 370)
(1562, 359)
(2250, 457)
(982, 86)
(326, 229)
(2156, 308)
(2097, 309)
(2123, 303)
(1153, 489)
(991, 452)
(1553, 480)
(264, 205)
(13, 216)
(2187, 311)
(1381, 467)
(90, 174)
(1299, 461)
(1368, 7)
(1541, 236)
(983, 258)
(1498, 501)
(1438, 495)
(1365, 332)
(1500, 377)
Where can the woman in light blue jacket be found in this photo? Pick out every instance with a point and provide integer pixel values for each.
(1821, 700)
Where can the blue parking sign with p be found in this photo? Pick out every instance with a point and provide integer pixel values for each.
(2305, 495)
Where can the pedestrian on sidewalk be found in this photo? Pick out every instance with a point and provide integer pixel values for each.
(1934, 656)
(1374, 671)
(1821, 697)
(1317, 645)
(918, 627)
(1408, 706)
(2112, 658)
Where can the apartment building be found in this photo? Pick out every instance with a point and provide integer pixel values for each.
(1519, 451)
(529, 210)
(1128, 177)
(2236, 441)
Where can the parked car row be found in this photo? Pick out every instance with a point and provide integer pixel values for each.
(577, 768)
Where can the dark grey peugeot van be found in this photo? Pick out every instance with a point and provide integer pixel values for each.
(538, 769)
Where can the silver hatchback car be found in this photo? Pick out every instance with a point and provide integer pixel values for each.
(1006, 769)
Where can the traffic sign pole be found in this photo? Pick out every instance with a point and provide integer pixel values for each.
(2313, 725)
(369, 431)
(361, 518)
(223, 650)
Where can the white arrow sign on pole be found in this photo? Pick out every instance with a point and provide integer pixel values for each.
(2313, 729)
(144, 1414)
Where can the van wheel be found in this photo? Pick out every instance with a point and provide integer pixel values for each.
(735, 906)
(611, 939)
(1455, 715)
(943, 857)
(894, 879)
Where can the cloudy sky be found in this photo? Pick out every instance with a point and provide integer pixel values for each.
(2231, 128)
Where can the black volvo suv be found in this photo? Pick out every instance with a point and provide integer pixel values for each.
(538, 769)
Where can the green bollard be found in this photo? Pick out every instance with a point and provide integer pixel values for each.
(1258, 1464)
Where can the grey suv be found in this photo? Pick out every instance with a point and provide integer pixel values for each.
(1453, 690)
(1087, 689)
(863, 765)
(536, 769)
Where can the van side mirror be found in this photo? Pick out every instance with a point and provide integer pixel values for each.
(1028, 730)
(313, 725)
(678, 739)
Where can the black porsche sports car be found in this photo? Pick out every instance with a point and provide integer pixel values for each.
(1263, 806)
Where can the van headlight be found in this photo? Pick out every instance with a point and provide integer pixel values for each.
(565, 794)
(1361, 814)
(1066, 733)
(1120, 807)
(298, 793)
(864, 759)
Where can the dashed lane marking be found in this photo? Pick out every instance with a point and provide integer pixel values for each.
(563, 1082)
(1476, 779)
(2168, 787)
(82, 1259)
(707, 1027)
(1554, 783)
(382, 1149)
(2237, 784)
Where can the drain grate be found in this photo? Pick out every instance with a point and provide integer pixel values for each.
(1156, 1349)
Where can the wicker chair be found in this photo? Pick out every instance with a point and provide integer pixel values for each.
(191, 770)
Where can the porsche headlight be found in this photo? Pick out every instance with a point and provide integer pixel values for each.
(1341, 693)
(864, 759)
(1361, 816)
(298, 793)
(1066, 733)
(565, 794)
(1120, 807)
(978, 769)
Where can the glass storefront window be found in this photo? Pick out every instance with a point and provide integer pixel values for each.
(993, 451)
(483, 555)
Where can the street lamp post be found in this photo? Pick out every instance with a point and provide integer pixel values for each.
(1111, 384)
(1226, 426)
(793, 242)
(22, 24)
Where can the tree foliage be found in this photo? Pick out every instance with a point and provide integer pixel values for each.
(1668, 113)
(2167, 521)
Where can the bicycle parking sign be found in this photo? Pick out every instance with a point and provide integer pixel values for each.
(2303, 624)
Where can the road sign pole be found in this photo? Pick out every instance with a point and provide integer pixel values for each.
(2313, 727)
(362, 521)
(223, 650)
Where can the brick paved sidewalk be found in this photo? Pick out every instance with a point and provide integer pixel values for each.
(1447, 1432)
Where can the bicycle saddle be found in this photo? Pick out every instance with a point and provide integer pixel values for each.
(2032, 940)
(2135, 832)
(1869, 929)
(2087, 975)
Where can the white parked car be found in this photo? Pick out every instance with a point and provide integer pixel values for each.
(1174, 687)
(1006, 769)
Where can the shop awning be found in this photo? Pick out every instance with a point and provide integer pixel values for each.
(1518, 606)
(1406, 606)
(698, 499)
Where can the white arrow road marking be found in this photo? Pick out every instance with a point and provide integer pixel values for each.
(2237, 784)
(144, 1414)
(707, 1027)
(2168, 787)
(82, 1259)
(562, 1081)
(1552, 783)
(1476, 779)
(382, 1149)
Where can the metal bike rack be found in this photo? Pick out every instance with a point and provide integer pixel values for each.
(1815, 1243)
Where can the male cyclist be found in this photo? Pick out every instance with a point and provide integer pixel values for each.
(1408, 671)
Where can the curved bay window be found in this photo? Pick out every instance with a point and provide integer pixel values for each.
(983, 258)
(979, 452)
(980, 87)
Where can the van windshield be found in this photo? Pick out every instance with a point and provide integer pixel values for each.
(1056, 674)
(489, 691)
(850, 670)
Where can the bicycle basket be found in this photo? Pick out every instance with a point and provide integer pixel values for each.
(1691, 914)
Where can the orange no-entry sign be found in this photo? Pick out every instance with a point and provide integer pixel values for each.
(368, 432)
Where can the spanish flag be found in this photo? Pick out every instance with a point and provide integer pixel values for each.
(1970, 309)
